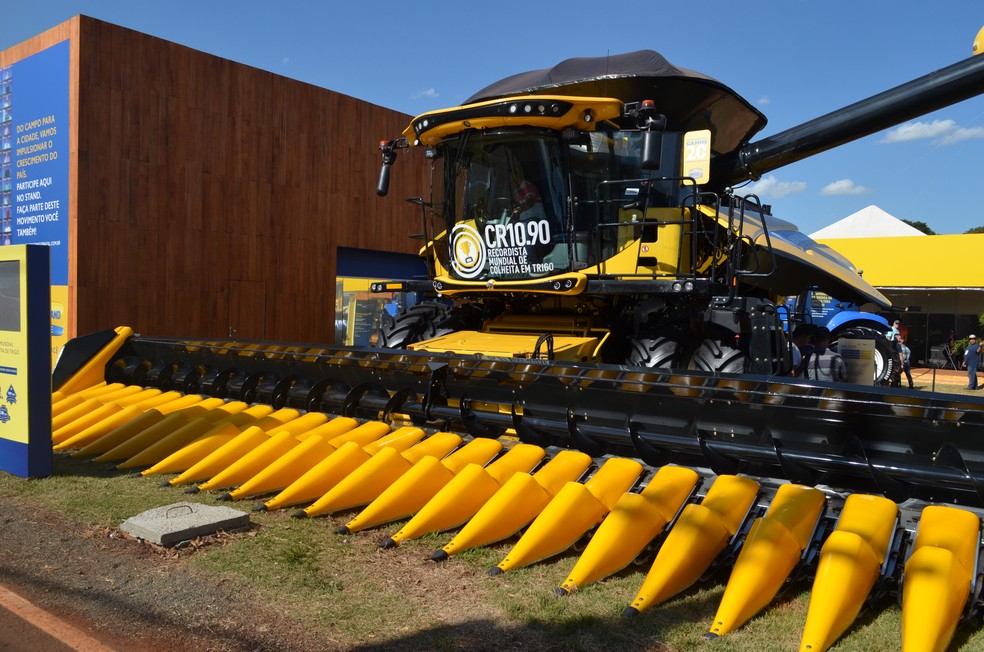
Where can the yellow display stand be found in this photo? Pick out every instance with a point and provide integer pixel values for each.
(25, 361)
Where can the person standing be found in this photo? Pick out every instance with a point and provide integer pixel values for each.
(906, 369)
(895, 346)
(893, 333)
(972, 358)
(823, 363)
(801, 347)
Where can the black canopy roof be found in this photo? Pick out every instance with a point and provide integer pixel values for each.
(690, 100)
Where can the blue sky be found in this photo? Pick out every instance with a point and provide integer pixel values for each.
(793, 59)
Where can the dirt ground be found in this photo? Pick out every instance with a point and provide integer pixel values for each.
(135, 596)
(131, 595)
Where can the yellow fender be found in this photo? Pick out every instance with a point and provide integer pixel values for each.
(133, 428)
(699, 535)
(365, 484)
(518, 502)
(421, 483)
(465, 494)
(635, 520)
(338, 465)
(850, 562)
(572, 512)
(769, 554)
(315, 446)
(938, 577)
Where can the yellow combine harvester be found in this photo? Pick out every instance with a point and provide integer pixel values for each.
(586, 213)
(612, 365)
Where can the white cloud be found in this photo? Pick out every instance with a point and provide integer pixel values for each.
(772, 188)
(428, 93)
(963, 133)
(286, 60)
(844, 187)
(945, 132)
(763, 100)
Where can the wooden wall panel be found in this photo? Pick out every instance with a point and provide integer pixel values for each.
(210, 191)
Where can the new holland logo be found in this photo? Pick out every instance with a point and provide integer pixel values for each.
(467, 250)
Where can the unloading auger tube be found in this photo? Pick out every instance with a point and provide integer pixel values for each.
(936, 90)
(893, 442)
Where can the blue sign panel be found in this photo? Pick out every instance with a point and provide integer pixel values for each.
(34, 154)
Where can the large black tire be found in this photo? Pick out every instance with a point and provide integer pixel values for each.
(420, 322)
(718, 354)
(885, 364)
(658, 352)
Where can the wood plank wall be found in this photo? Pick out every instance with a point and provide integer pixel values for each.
(211, 195)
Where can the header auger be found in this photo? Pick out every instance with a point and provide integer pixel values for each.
(598, 352)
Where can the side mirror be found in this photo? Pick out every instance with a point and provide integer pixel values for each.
(652, 150)
(382, 187)
(388, 148)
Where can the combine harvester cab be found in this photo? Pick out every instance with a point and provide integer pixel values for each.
(623, 320)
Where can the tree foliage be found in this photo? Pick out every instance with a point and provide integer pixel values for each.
(922, 226)
(976, 229)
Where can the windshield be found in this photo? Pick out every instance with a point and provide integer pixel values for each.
(504, 207)
(521, 205)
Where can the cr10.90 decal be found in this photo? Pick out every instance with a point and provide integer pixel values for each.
(500, 249)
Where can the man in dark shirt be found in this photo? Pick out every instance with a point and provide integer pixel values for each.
(823, 363)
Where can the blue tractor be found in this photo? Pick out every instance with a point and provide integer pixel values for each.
(844, 320)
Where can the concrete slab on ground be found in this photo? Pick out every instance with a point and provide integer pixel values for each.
(172, 524)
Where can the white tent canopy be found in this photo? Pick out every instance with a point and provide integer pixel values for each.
(869, 222)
